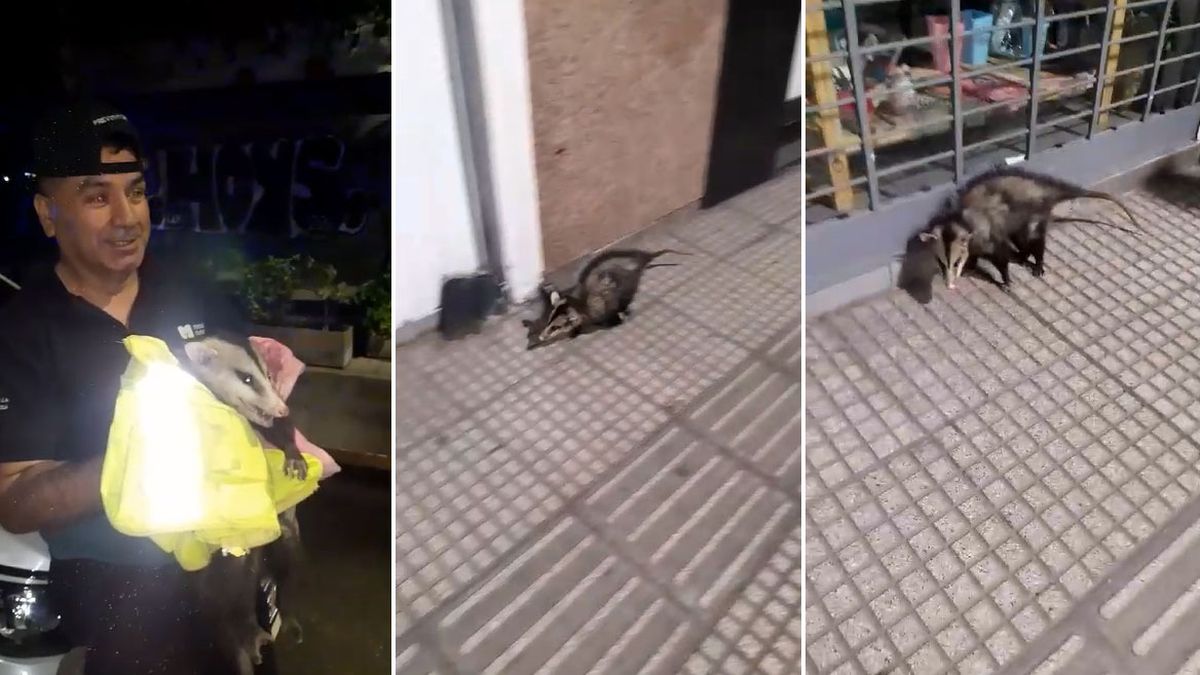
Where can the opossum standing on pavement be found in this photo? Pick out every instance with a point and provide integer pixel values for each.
(600, 298)
(228, 587)
(1000, 213)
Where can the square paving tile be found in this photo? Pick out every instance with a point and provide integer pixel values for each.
(774, 201)
(571, 422)
(462, 501)
(720, 230)
(736, 304)
(666, 356)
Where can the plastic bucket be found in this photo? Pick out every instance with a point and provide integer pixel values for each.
(939, 27)
(975, 50)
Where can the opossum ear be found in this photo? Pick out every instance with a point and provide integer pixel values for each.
(199, 353)
(930, 236)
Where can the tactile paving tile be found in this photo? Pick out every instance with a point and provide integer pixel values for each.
(462, 501)
(570, 422)
(1150, 616)
(778, 259)
(736, 304)
(776, 200)
(757, 415)
(422, 409)
(794, 225)
(693, 517)
(720, 230)
(415, 659)
(945, 358)
(565, 604)
(785, 348)
(663, 354)
(763, 628)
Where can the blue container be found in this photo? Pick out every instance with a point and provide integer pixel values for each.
(1027, 42)
(975, 50)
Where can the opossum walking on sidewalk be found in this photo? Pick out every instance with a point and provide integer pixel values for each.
(228, 587)
(1000, 214)
(600, 298)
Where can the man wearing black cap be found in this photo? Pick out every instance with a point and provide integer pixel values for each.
(61, 360)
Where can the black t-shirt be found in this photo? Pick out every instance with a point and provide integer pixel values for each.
(61, 361)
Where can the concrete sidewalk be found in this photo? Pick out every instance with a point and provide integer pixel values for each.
(1007, 483)
(626, 502)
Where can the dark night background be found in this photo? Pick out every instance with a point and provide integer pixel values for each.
(266, 124)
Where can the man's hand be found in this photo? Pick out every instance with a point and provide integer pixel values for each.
(44, 495)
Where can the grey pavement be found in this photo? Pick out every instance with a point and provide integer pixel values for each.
(1007, 483)
(628, 502)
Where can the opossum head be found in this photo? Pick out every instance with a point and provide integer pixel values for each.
(236, 376)
(951, 240)
(557, 321)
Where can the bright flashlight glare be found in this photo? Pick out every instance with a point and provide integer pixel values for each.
(172, 466)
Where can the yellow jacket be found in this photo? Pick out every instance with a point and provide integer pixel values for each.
(187, 470)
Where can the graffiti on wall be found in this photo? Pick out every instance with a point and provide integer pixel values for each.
(284, 188)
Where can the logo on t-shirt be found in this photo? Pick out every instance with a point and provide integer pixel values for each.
(3, 403)
(191, 331)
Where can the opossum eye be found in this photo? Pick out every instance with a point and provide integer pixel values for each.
(245, 377)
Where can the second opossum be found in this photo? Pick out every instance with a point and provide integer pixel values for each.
(600, 298)
(998, 214)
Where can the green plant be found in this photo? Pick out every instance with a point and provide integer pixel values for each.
(267, 287)
(321, 279)
(375, 298)
(224, 263)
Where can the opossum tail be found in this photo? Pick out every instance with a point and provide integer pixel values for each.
(1093, 194)
(642, 258)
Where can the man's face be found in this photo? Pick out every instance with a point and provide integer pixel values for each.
(101, 223)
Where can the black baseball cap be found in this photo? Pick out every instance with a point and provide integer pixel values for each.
(68, 140)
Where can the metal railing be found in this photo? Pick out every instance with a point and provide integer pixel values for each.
(853, 157)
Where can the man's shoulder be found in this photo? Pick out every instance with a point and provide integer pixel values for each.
(23, 320)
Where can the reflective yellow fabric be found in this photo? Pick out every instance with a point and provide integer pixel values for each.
(187, 470)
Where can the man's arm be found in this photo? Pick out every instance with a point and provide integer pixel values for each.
(44, 495)
(37, 491)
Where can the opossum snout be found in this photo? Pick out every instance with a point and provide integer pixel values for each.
(282, 411)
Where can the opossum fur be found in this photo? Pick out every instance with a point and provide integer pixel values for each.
(600, 298)
(228, 587)
(999, 214)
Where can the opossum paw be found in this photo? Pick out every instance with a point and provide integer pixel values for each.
(1038, 270)
(254, 649)
(295, 468)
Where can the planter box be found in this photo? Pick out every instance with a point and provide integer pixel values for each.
(379, 346)
(315, 347)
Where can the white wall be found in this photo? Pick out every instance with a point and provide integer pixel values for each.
(795, 77)
(433, 235)
(504, 70)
